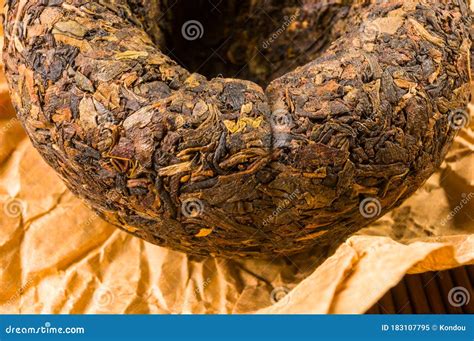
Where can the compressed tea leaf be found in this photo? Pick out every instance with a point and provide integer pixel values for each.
(274, 161)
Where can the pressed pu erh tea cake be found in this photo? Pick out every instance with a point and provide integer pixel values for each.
(301, 136)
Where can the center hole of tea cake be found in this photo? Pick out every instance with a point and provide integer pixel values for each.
(257, 40)
(203, 36)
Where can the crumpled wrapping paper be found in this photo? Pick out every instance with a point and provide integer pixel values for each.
(57, 256)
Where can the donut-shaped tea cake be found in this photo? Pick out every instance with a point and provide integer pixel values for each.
(344, 112)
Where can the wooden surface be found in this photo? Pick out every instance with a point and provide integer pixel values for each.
(428, 293)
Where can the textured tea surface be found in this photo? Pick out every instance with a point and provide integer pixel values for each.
(222, 166)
